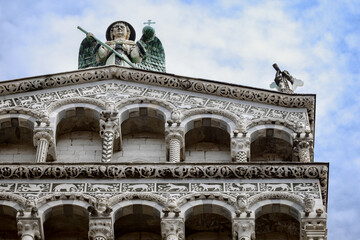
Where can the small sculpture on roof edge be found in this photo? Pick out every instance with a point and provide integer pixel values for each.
(284, 82)
(121, 48)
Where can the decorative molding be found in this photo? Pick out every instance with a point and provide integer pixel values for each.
(163, 80)
(170, 170)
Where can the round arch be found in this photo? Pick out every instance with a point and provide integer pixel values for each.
(271, 142)
(286, 206)
(68, 220)
(125, 111)
(214, 120)
(165, 107)
(137, 219)
(219, 207)
(16, 137)
(8, 226)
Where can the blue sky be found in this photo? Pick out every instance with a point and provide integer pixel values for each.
(231, 41)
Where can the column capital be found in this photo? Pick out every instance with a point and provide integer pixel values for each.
(304, 149)
(243, 229)
(29, 228)
(100, 229)
(43, 133)
(174, 132)
(240, 147)
(314, 228)
(173, 229)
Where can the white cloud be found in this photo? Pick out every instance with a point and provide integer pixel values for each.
(225, 41)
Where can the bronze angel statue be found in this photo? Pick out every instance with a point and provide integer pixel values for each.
(121, 48)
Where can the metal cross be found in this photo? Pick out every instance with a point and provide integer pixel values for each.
(149, 22)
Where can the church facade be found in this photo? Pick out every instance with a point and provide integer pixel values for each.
(119, 153)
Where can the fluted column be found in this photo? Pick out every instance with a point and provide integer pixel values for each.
(43, 141)
(240, 147)
(109, 131)
(175, 144)
(175, 138)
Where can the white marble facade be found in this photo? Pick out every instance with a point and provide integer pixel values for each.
(119, 153)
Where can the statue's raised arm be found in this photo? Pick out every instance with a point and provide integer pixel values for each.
(147, 53)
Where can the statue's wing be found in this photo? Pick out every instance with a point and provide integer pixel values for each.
(274, 85)
(297, 83)
(155, 56)
(87, 57)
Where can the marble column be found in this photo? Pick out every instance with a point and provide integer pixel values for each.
(175, 144)
(109, 131)
(43, 141)
(240, 147)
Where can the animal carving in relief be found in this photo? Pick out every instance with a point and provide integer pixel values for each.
(33, 187)
(172, 187)
(138, 187)
(277, 115)
(6, 188)
(5, 103)
(210, 187)
(25, 101)
(101, 187)
(65, 187)
(278, 187)
(257, 111)
(246, 187)
(304, 187)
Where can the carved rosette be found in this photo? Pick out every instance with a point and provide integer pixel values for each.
(44, 142)
(110, 132)
(175, 143)
(314, 229)
(173, 229)
(240, 148)
(243, 229)
(100, 229)
(29, 229)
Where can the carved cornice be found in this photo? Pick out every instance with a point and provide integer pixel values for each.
(163, 80)
(169, 170)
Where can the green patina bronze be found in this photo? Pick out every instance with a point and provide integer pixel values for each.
(149, 46)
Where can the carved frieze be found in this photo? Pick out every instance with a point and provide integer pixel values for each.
(162, 80)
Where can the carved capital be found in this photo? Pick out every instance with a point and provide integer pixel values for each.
(29, 228)
(43, 134)
(174, 132)
(109, 122)
(243, 229)
(100, 229)
(314, 229)
(173, 229)
(304, 150)
(240, 148)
